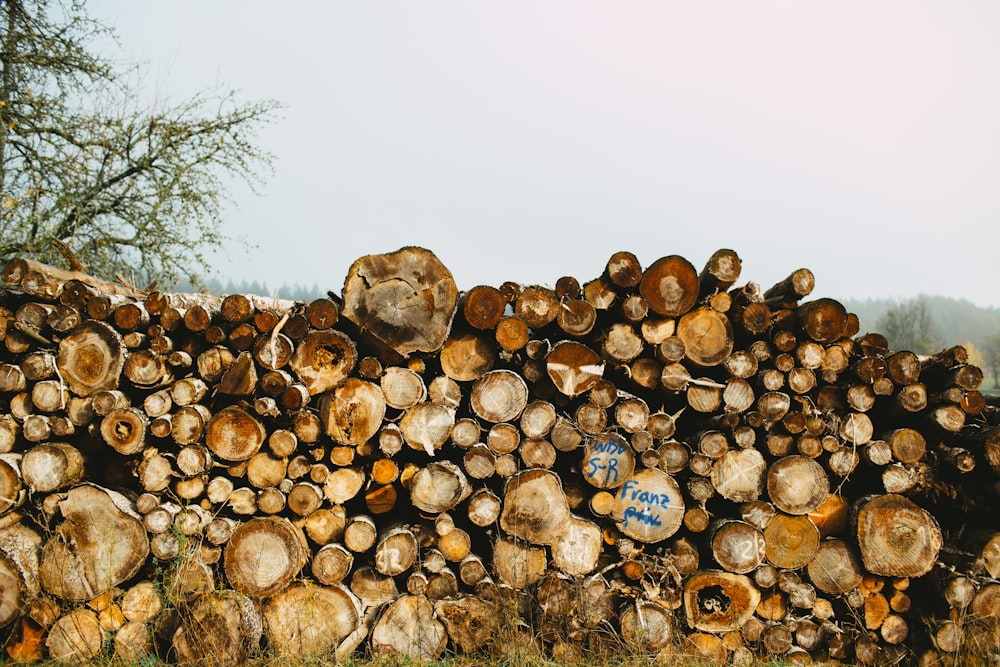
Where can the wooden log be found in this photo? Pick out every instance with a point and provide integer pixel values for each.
(406, 300)
(797, 484)
(707, 336)
(91, 358)
(223, 629)
(483, 306)
(499, 396)
(896, 537)
(791, 541)
(649, 506)
(264, 540)
(716, 601)
(81, 561)
(305, 621)
(470, 622)
(535, 507)
(353, 412)
(409, 628)
(647, 627)
(75, 637)
(574, 368)
(737, 546)
(323, 360)
(608, 461)
(739, 475)
(51, 466)
(427, 426)
(233, 434)
(835, 569)
(670, 286)
(438, 487)
(332, 563)
(517, 564)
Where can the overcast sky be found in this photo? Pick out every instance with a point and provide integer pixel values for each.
(528, 140)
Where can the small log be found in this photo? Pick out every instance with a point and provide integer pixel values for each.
(608, 461)
(707, 336)
(332, 563)
(396, 552)
(649, 506)
(574, 368)
(647, 626)
(797, 484)
(835, 569)
(535, 507)
(739, 475)
(470, 622)
(323, 360)
(75, 637)
(670, 286)
(402, 387)
(517, 564)
(124, 430)
(483, 306)
(791, 541)
(427, 426)
(438, 487)
(499, 396)
(737, 546)
(51, 466)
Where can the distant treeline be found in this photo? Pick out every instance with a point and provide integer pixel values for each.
(293, 292)
(929, 322)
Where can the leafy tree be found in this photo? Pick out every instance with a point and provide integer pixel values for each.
(89, 174)
(909, 326)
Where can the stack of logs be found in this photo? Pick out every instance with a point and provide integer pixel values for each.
(657, 458)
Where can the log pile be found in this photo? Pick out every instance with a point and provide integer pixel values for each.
(657, 456)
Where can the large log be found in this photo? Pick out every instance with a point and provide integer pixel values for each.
(99, 543)
(405, 300)
(304, 621)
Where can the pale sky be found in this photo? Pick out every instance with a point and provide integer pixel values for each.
(528, 140)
